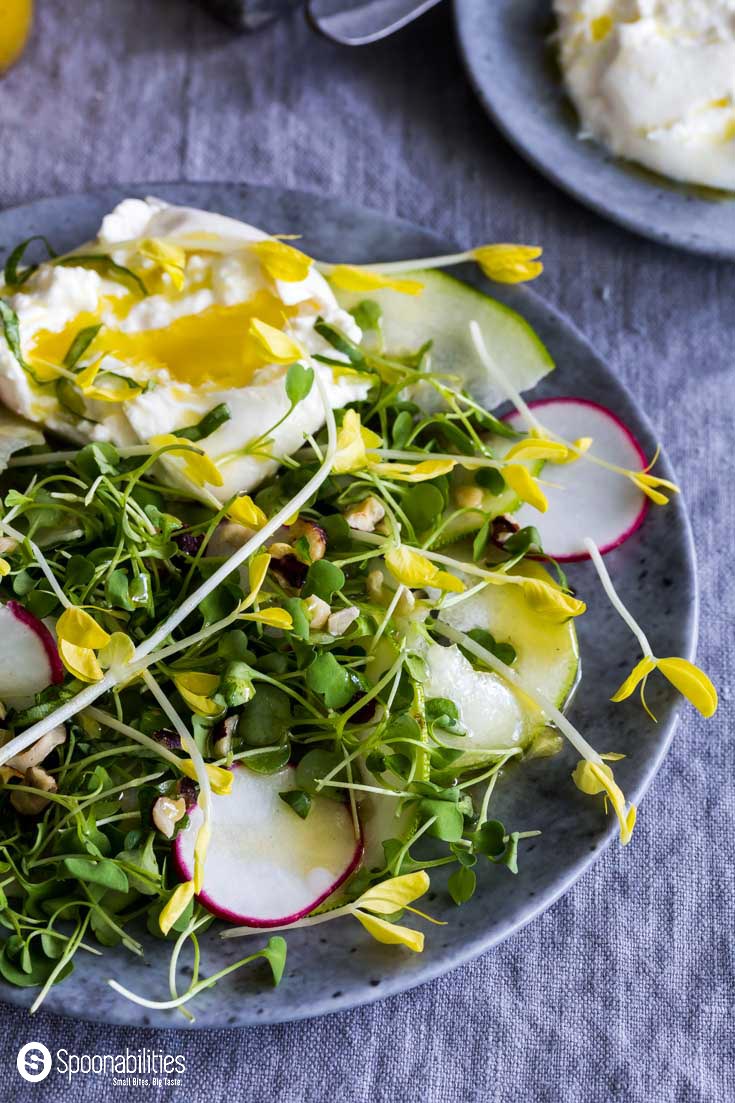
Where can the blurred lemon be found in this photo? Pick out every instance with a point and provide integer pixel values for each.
(16, 17)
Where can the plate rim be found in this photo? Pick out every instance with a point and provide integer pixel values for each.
(397, 983)
(547, 168)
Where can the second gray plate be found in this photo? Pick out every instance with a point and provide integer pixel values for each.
(505, 48)
(337, 966)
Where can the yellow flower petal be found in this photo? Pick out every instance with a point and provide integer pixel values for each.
(196, 689)
(81, 662)
(509, 263)
(637, 675)
(592, 778)
(348, 277)
(275, 345)
(86, 377)
(413, 473)
(391, 934)
(4, 568)
(392, 895)
(410, 567)
(415, 570)
(691, 682)
(655, 495)
(220, 779)
(282, 261)
(245, 512)
(549, 601)
(170, 258)
(197, 464)
(525, 486)
(257, 570)
(75, 626)
(118, 651)
(538, 448)
(196, 681)
(200, 853)
(273, 618)
(176, 906)
(353, 440)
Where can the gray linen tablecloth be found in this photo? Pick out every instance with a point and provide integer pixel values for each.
(624, 989)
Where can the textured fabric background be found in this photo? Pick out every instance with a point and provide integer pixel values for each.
(624, 990)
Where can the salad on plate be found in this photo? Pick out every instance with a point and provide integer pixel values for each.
(282, 586)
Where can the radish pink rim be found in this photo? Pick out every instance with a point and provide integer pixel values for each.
(247, 921)
(570, 400)
(47, 640)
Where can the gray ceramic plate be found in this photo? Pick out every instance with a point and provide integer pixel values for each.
(505, 48)
(339, 966)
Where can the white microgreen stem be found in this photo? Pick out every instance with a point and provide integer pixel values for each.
(111, 722)
(67, 455)
(208, 982)
(40, 559)
(310, 921)
(580, 744)
(188, 743)
(501, 379)
(462, 461)
(386, 617)
(612, 594)
(392, 266)
(92, 692)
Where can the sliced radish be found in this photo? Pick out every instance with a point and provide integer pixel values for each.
(586, 499)
(29, 659)
(265, 865)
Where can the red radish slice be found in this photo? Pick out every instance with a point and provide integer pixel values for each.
(266, 866)
(590, 501)
(29, 659)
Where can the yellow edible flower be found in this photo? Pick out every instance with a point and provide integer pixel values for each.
(282, 261)
(690, 681)
(353, 440)
(197, 464)
(176, 905)
(79, 636)
(220, 779)
(509, 263)
(116, 389)
(4, 568)
(275, 345)
(201, 845)
(386, 899)
(525, 486)
(244, 511)
(413, 473)
(549, 601)
(257, 570)
(539, 448)
(415, 570)
(273, 618)
(170, 258)
(349, 277)
(197, 688)
(594, 778)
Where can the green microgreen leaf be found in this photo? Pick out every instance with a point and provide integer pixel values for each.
(323, 579)
(104, 873)
(330, 681)
(367, 314)
(462, 884)
(299, 381)
(423, 505)
(490, 478)
(265, 719)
